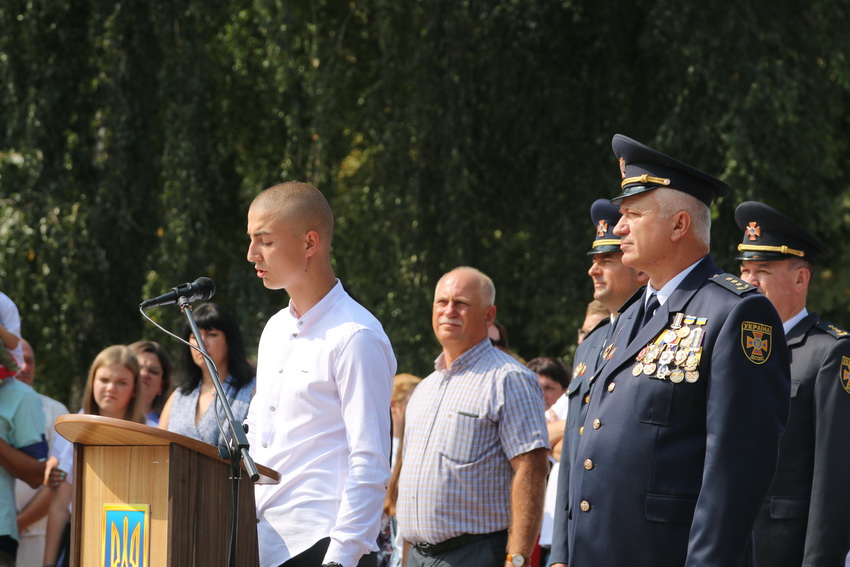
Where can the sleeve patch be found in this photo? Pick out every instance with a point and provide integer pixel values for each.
(756, 340)
(844, 373)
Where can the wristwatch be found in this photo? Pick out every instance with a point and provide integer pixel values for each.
(516, 559)
(331, 564)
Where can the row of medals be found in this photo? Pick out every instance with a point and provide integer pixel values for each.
(674, 355)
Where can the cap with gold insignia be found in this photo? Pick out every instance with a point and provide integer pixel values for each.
(605, 217)
(644, 169)
(769, 235)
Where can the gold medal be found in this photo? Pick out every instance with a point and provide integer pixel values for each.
(692, 376)
(641, 354)
(683, 332)
(670, 337)
(666, 357)
(649, 369)
(663, 372)
(637, 370)
(680, 357)
(677, 376)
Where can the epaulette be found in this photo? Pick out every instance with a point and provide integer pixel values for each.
(831, 329)
(733, 284)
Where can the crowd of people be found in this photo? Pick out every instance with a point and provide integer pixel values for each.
(700, 421)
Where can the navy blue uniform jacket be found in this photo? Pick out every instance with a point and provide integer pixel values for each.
(673, 474)
(805, 520)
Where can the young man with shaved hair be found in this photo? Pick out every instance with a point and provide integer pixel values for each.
(320, 416)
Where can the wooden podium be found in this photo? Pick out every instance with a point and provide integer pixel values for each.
(182, 484)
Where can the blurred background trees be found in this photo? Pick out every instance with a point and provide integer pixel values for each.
(135, 134)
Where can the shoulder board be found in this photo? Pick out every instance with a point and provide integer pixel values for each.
(831, 329)
(733, 284)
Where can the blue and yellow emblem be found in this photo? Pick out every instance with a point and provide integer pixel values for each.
(756, 339)
(845, 373)
(125, 535)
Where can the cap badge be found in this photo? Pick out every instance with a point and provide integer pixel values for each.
(601, 228)
(622, 167)
(753, 230)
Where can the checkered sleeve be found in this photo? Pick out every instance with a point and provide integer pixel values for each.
(523, 423)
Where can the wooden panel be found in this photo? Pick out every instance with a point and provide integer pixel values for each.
(122, 475)
(201, 487)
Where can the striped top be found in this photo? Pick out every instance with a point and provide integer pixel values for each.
(462, 427)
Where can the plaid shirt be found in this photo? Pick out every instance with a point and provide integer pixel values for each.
(462, 427)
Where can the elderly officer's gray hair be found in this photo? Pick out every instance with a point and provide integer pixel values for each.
(671, 201)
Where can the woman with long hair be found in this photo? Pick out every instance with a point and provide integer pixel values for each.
(190, 410)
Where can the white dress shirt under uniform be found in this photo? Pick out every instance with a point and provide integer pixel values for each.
(321, 419)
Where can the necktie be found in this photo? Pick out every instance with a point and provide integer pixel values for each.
(649, 310)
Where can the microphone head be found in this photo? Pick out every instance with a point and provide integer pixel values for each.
(204, 289)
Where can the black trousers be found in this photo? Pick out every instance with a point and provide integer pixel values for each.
(314, 556)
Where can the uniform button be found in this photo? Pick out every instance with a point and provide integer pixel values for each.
(300, 323)
(586, 398)
(294, 335)
(588, 464)
(611, 386)
(597, 424)
(585, 506)
(280, 371)
(265, 445)
(581, 430)
(272, 408)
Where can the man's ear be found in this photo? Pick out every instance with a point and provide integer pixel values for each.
(311, 243)
(490, 315)
(681, 225)
(801, 282)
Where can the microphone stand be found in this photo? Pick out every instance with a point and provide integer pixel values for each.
(236, 447)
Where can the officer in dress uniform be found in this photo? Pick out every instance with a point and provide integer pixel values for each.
(681, 434)
(613, 285)
(805, 520)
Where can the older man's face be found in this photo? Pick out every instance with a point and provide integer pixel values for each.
(459, 317)
(645, 237)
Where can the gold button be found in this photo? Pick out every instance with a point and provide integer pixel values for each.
(585, 506)
(597, 424)
(611, 386)
(586, 398)
(581, 430)
(588, 464)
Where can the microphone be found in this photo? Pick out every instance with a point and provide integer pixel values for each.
(201, 288)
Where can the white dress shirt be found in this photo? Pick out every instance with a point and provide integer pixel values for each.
(321, 418)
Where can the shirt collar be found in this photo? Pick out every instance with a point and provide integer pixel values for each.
(464, 360)
(789, 324)
(665, 292)
(316, 312)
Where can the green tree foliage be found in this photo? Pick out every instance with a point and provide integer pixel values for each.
(135, 134)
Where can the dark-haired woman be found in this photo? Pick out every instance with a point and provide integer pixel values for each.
(190, 410)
